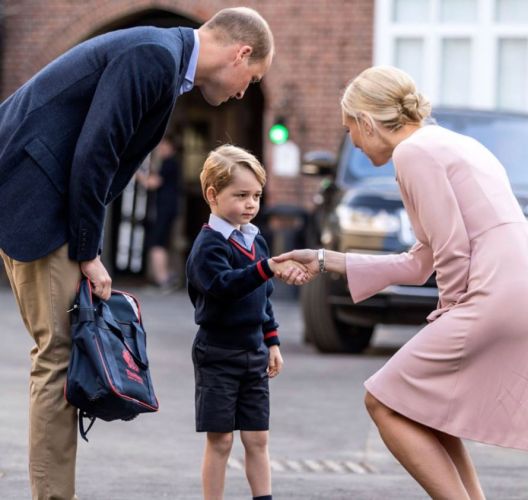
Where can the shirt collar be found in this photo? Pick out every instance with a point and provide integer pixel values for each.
(249, 231)
(188, 82)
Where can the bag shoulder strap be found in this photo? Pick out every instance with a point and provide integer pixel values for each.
(82, 431)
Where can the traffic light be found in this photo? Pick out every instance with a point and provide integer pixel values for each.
(278, 132)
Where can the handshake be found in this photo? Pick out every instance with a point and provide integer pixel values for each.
(297, 267)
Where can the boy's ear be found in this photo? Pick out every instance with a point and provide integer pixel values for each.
(210, 194)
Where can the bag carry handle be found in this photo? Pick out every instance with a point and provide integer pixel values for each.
(86, 301)
(142, 359)
(141, 346)
(85, 293)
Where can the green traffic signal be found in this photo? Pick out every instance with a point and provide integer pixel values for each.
(278, 133)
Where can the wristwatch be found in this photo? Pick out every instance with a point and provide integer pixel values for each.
(321, 260)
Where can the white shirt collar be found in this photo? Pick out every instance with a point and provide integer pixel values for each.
(249, 231)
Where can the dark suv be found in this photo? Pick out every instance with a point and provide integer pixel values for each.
(359, 209)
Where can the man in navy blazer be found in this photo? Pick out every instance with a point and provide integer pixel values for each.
(70, 140)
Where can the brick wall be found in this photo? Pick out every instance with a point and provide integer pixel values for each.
(320, 45)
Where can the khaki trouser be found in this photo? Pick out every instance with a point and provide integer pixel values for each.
(45, 290)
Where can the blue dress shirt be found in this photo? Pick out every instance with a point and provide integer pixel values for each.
(245, 236)
(188, 82)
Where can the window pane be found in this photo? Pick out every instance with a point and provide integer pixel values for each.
(411, 11)
(511, 74)
(409, 55)
(512, 11)
(456, 72)
(458, 11)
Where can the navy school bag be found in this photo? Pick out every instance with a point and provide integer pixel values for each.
(108, 375)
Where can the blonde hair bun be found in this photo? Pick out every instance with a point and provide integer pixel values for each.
(415, 107)
(386, 94)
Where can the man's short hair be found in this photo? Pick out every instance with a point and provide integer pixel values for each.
(222, 162)
(243, 25)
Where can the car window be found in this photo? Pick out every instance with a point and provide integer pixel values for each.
(506, 136)
(354, 164)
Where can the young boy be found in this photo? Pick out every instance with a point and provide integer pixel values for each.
(236, 348)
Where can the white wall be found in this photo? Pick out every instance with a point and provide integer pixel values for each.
(470, 53)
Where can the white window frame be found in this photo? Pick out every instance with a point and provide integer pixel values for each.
(484, 35)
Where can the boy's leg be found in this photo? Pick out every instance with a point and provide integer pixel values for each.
(258, 470)
(45, 289)
(252, 418)
(217, 372)
(217, 450)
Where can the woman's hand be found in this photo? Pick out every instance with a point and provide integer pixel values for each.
(295, 271)
(306, 257)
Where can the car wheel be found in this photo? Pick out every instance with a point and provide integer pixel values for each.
(322, 328)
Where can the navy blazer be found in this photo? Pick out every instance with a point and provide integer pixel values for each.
(72, 137)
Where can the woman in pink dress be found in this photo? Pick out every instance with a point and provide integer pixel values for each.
(465, 374)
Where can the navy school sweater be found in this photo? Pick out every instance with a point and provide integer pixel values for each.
(230, 289)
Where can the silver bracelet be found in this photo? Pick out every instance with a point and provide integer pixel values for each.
(321, 260)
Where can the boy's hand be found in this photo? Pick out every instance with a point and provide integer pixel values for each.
(275, 361)
(306, 257)
(290, 271)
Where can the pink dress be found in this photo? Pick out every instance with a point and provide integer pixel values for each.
(466, 372)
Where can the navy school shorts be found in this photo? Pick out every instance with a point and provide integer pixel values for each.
(231, 388)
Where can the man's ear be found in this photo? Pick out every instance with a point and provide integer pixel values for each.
(244, 52)
(210, 194)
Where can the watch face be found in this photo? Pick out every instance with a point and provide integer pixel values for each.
(321, 259)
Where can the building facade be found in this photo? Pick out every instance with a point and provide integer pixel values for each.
(320, 45)
(470, 53)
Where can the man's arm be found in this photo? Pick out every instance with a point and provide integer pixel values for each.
(130, 85)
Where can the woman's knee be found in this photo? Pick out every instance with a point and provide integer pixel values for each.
(374, 407)
(220, 442)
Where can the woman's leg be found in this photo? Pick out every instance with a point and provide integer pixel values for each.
(217, 450)
(159, 264)
(419, 450)
(258, 470)
(460, 457)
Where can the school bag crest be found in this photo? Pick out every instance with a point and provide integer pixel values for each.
(108, 375)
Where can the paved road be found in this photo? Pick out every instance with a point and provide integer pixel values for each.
(323, 444)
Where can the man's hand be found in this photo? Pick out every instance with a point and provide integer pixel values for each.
(275, 361)
(98, 276)
(307, 257)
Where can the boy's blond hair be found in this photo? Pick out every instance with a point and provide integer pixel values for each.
(221, 164)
